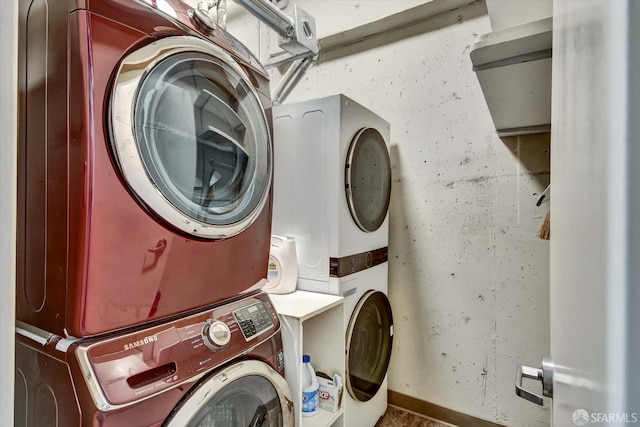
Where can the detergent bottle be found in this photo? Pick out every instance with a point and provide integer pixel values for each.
(310, 397)
(282, 271)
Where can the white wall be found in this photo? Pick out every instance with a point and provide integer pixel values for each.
(469, 280)
(8, 139)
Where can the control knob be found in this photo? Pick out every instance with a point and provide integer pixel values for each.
(216, 334)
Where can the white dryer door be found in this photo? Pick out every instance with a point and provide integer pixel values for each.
(246, 394)
(369, 342)
(190, 136)
(368, 179)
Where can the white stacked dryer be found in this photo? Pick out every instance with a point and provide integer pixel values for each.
(332, 187)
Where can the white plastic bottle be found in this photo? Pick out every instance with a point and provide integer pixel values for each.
(282, 272)
(310, 398)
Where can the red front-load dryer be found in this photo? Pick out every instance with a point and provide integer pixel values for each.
(145, 165)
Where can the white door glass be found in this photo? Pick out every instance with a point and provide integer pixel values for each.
(369, 342)
(368, 179)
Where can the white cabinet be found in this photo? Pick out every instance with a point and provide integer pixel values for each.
(313, 324)
(513, 66)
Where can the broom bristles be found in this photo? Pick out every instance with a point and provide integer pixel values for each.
(545, 229)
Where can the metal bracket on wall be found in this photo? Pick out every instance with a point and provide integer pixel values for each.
(298, 39)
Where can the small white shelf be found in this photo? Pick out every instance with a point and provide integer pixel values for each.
(303, 305)
(313, 324)
(513, 66)
(322, 418)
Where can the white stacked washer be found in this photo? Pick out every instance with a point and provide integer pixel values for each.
(332, 187)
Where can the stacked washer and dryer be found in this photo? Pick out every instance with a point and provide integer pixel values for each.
(145, 164)
(332, 187)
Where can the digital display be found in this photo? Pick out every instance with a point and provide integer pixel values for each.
(253, 320)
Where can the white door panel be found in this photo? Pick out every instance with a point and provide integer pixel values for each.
(595, 239)
(587, 181)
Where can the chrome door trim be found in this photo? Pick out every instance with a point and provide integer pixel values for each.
(211, 386)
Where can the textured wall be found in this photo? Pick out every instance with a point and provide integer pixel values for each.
(469, 280)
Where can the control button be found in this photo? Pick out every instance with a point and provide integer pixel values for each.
(216, 334)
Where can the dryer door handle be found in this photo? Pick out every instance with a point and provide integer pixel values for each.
(160, 247)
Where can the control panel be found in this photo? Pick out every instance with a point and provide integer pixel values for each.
(253, 320)
(138, 364)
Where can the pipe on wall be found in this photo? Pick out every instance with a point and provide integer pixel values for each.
(294, 74)
(297, 37)
(270, 14)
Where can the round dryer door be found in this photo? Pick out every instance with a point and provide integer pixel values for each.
(247, 393)
(369, 341)
(368, 179)
(190, 136)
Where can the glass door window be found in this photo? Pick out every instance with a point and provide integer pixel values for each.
(197, 151)
(369, 342)
(248, 393)
(248, 402)
(368, 179)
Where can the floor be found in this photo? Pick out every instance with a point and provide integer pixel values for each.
(395, 417)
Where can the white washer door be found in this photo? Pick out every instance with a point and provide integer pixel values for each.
(247, 393)
(368, 179)
(369, 341)
(190, 137)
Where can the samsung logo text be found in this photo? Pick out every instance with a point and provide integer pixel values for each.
(140, 343)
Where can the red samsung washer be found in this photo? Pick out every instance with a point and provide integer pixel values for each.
(221, 367)
(145, 164)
